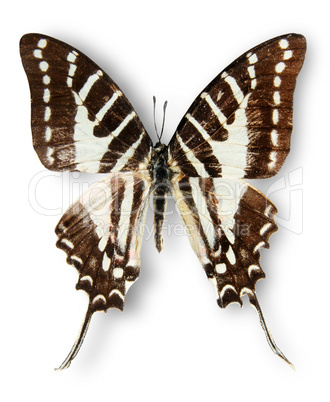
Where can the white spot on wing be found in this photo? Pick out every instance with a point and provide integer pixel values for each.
(48, 134)
(258, 246)
(117, 292)
(274, 137)
(277, 81)
(253, 58)
(118, 272)
(46, 79)
(272, 162)
(37, 53)
(43, 65)
(221, 268)
(253, 268)
(99, 297)
(231, 256)
(277, 98)
(67, 243)
(49, 154)
(284, 43)
(71, 57)
(224, 289)
(264, 229)
(46, 97)
(230, 235)
(269, 211)
(47, 113)
(279, 68)
(42, 43)
(106, 262)
(287, 55)
(102, 243)
(72, 70)
(87, 278)
(78, 259)
(251, 71)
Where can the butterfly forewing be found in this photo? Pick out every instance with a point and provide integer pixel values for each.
(241, 123)
(80, 119)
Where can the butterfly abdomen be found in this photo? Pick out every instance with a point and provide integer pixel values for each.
(161, 183)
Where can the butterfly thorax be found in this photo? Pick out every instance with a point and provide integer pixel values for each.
(161, 186)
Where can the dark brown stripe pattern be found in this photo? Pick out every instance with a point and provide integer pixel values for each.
(228, 222)
(80, 119)
(102, 233)
(241, 123)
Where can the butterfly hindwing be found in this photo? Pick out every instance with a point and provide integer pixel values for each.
(241, 123)
(81, 121)
(102, 233)
(227, 222)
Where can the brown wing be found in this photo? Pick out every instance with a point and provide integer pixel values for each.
(81, 121)
(228, 221)
(102, 234)
(241, 124)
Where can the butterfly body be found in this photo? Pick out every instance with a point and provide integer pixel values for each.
(239, 127)
(161, 188)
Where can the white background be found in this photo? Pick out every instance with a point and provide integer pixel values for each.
(172, 342)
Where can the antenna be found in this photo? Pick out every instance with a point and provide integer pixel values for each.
(163, 123)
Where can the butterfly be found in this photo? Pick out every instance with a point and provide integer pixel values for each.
(239, 127)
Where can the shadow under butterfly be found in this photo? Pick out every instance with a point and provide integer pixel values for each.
(238, 127)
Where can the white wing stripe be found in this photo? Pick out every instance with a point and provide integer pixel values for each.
(237, 92)
(107, 106)
(204, 215)
(232, 163)
(88, 85)
(221, 117)
(123, 124)
(199, 167)
(125, 213)
(121, 162)
(197, 125)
